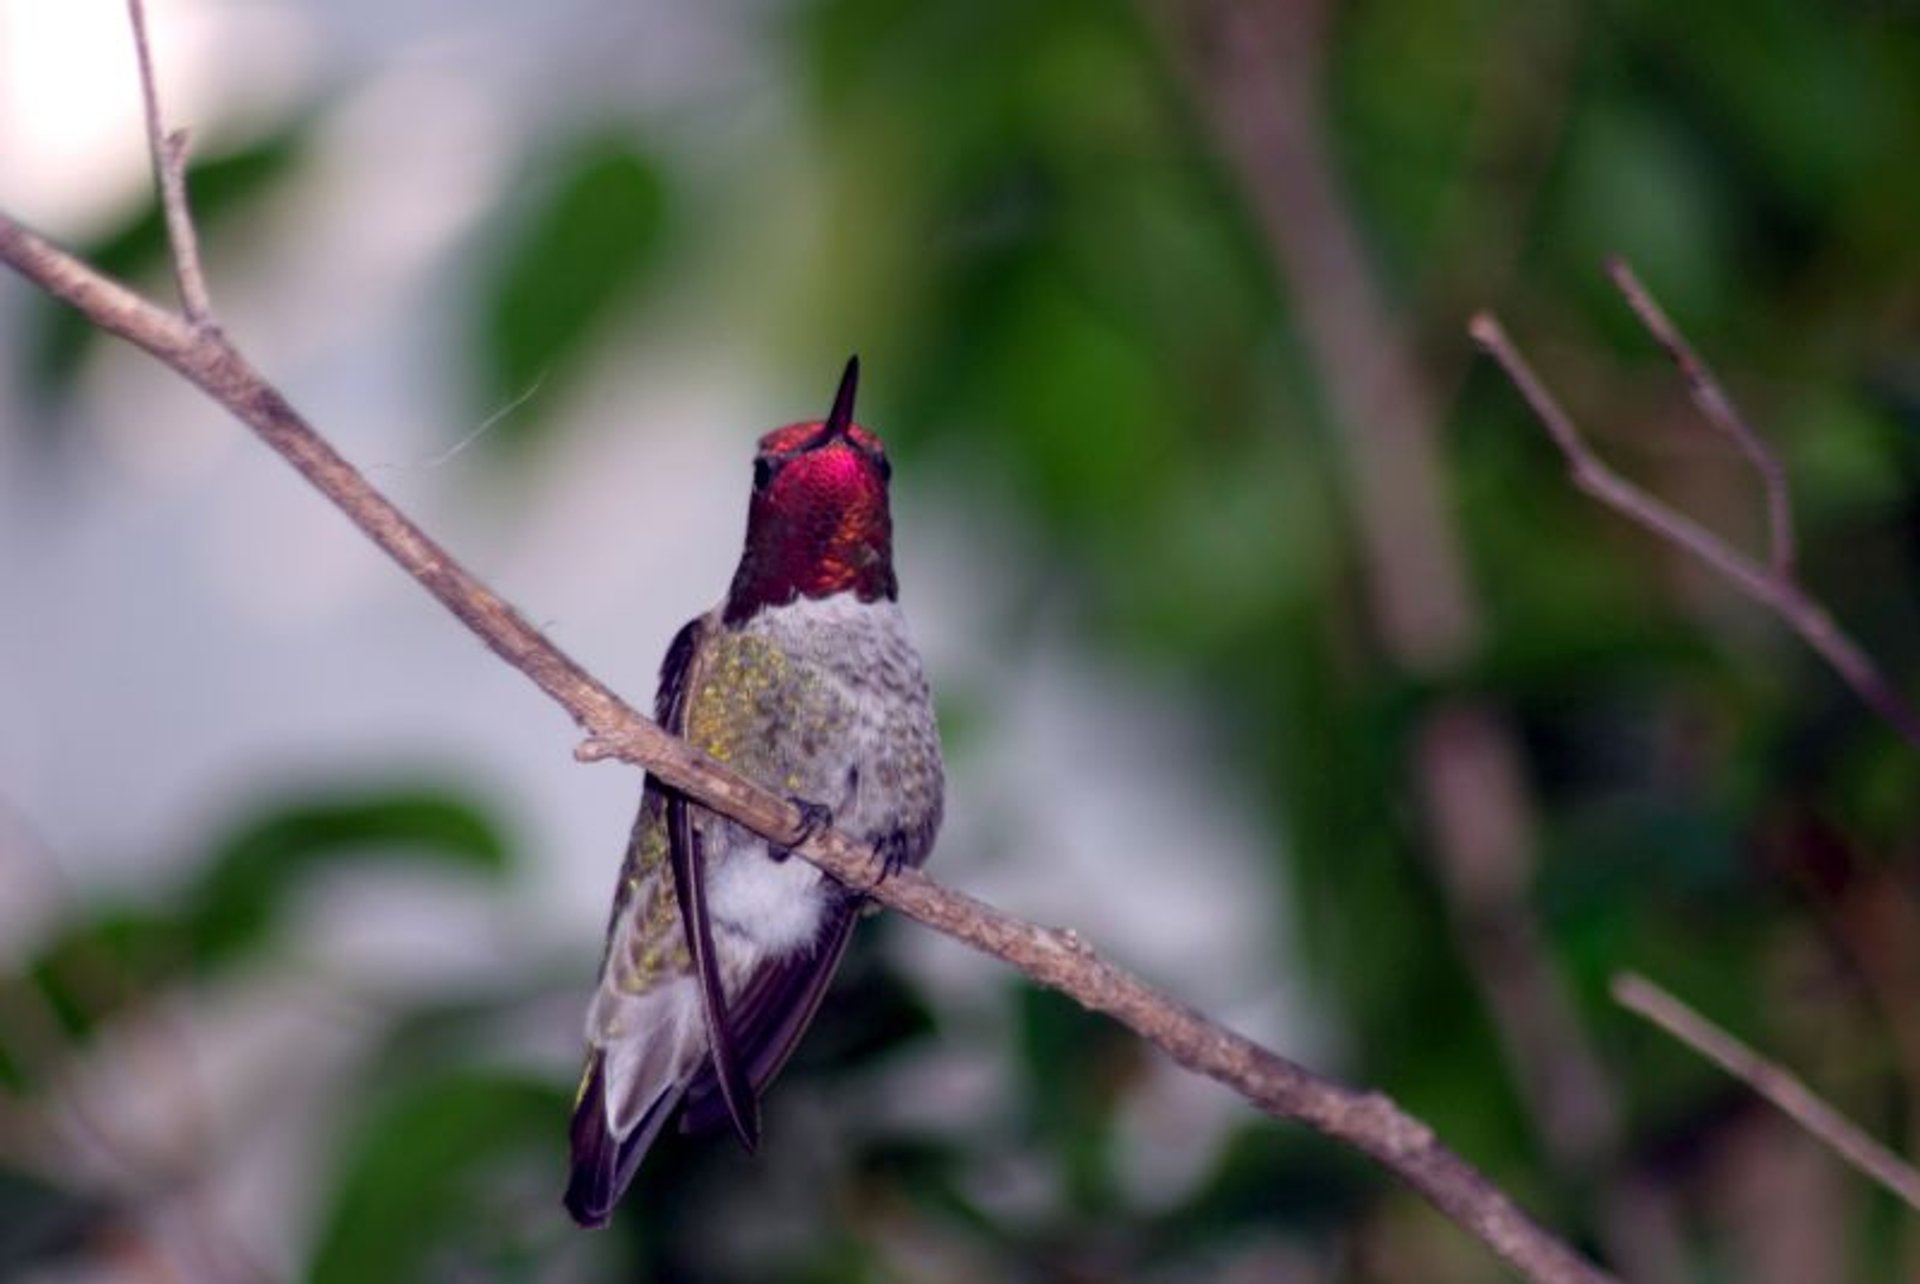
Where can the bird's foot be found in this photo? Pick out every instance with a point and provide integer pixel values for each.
(815, 818)
(890, 854)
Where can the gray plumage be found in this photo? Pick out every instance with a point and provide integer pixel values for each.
(822, 699)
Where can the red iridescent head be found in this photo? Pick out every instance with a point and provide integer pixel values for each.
(818, 523)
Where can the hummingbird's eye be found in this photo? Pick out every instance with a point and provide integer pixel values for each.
(762, 472)
(886, 468)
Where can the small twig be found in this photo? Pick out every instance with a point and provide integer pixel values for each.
(1780, 593)
(1718, 407)
(169, 153)
(1774, 1082)
(1591, 473)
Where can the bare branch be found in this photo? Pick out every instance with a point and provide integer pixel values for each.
(1780, 593)
(1774, 1082)
(1718, 407)
(170, 173)
(1593, 475)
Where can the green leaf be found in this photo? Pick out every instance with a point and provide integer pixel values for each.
(94, 966)
(256, 867)
(582, 252)
(115, 953)
(1077, 1064)
(456, 1177)
(1268, 1174)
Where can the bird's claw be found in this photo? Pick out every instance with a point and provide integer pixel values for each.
(890, 854)
(815, 818)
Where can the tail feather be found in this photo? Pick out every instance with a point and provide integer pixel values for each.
(643, 1050)
(603, 1164)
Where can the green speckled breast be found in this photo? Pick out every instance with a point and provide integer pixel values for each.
(756, 709)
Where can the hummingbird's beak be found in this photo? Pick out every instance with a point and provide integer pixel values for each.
(840, 418)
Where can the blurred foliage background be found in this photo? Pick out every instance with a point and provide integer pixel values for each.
(1163, 307)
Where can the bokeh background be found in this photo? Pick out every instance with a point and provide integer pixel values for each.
(1274, 651)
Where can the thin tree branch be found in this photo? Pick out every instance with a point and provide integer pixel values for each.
(1367, 1121)
(1713, 402)
(1592, 475)
(1774, 1082)
(169, 153)
(1777, 591)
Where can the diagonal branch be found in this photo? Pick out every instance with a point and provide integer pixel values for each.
(1774, 587)
(1774, 1082)
(1367, 1121)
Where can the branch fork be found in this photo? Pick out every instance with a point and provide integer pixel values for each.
(1774, 584)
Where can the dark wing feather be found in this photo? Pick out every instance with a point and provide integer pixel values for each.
(773, 1011)
(603, 1165)
(690, 890)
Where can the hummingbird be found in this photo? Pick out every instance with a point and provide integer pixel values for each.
(805, 679)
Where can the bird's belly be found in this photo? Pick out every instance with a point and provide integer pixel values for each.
(774, 907)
